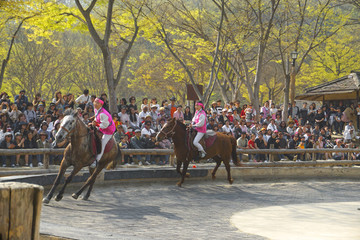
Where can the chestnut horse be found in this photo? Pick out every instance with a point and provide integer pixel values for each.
(78, 154)
(222, 150)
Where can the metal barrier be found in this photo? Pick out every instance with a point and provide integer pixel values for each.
(57, 151)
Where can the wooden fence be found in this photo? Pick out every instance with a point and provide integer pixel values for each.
(271, 152)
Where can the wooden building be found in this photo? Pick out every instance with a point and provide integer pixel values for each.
(345, 89)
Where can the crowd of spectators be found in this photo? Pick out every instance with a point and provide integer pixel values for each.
(26, 124)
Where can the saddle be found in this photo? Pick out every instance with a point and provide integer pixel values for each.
(206, 142)
(95, 141)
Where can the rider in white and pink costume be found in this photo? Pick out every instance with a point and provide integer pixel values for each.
(199, 123)
(103, 121)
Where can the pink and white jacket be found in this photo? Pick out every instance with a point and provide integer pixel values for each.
(199, 121)
(105, 122)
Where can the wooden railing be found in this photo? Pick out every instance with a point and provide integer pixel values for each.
(57, 151)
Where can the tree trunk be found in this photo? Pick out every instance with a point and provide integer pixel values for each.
(286, 98)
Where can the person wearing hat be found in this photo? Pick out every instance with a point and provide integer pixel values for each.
(213, 108)
(154, 113)
(103, 121)
(8, 143)
(21, 100)
(223, 117)
(138, 142)
(199, 123)
(242, 143)
(172, 106)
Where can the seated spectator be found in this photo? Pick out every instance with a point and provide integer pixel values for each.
(115, 118)
(44, 129)
(211, 124)
(29, 143)
(227, 128)
(8, 143)
(119, 134)
(19, 140)
(21, 100)
(338, 155)
(147, 130)
(14, 113)
(252, 145)
(242, 143)
(30, 114)
(124, 144)
(163, 144)
(138, 142)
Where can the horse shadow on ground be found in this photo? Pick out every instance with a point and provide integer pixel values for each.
(117, 211)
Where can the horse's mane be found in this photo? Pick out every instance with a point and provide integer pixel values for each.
(181, 124)
(69, 111)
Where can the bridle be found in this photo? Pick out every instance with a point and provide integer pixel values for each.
(69, 132)
(169, 132)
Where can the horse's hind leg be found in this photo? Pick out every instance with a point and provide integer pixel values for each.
(61, 173)
(178, 166)
(227, 166)
(68, 179)
(89, 182)
(218, 163)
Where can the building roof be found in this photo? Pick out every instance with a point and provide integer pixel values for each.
(345, 87)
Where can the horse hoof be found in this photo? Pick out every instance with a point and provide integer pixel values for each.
(187, 175)
(46, 200)
(74, 196)
(231, 181)
(85, 198)
(58, 198)
(213, 177)
(179, 184)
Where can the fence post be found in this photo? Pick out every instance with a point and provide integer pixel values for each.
(172, 160)
(271, 156)
(313, 157)
(46, 160)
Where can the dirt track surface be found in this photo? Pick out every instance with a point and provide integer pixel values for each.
(199, 210)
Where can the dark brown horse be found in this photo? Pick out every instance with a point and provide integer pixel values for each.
(78, 154)
(223, 149)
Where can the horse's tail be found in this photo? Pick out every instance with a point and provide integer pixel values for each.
(118, 157)
(233, 151)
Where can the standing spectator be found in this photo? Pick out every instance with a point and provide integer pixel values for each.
(21, 100)
(154, 114)
(154, 102)
(115, 119)
(311, 115)
(303, 113)
(242, 143)
(104, 98)
(59, 101)
(236, 116)
(8, 143)
(37, 101)
(132, 104)
(295, 111)
(144, 103)
(90, 110)
(91, 102)
(143, 114)
(338, 123)
(187, 115)
(124, 117)
(320, 118)
(250, 113)
(265, 110)
(213, 108)
(178, 114)
(30, 114)
(218, 107)
(166, 107)
(70, 100)
(349, 132)
(83, 99)
(134, 118)
(172, 106)
(319, 144)
(273, 111)
(42, 142)
(122, 104)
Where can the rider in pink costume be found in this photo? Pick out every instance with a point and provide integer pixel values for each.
(103, 121)
(199, 123)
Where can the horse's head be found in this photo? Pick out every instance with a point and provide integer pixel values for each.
(67, 126)
(167, 130)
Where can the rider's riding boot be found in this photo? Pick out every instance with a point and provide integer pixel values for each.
(202, 154)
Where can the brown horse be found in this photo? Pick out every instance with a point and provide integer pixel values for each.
(79, 155)
(222, 150)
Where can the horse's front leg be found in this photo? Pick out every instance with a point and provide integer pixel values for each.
(68, 179)
(227, 166)
(61, 173)
(184, 173)
(89, 182)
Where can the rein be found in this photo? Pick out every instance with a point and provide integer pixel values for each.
(169, 132)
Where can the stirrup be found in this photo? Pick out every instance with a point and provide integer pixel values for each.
(94, 164)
